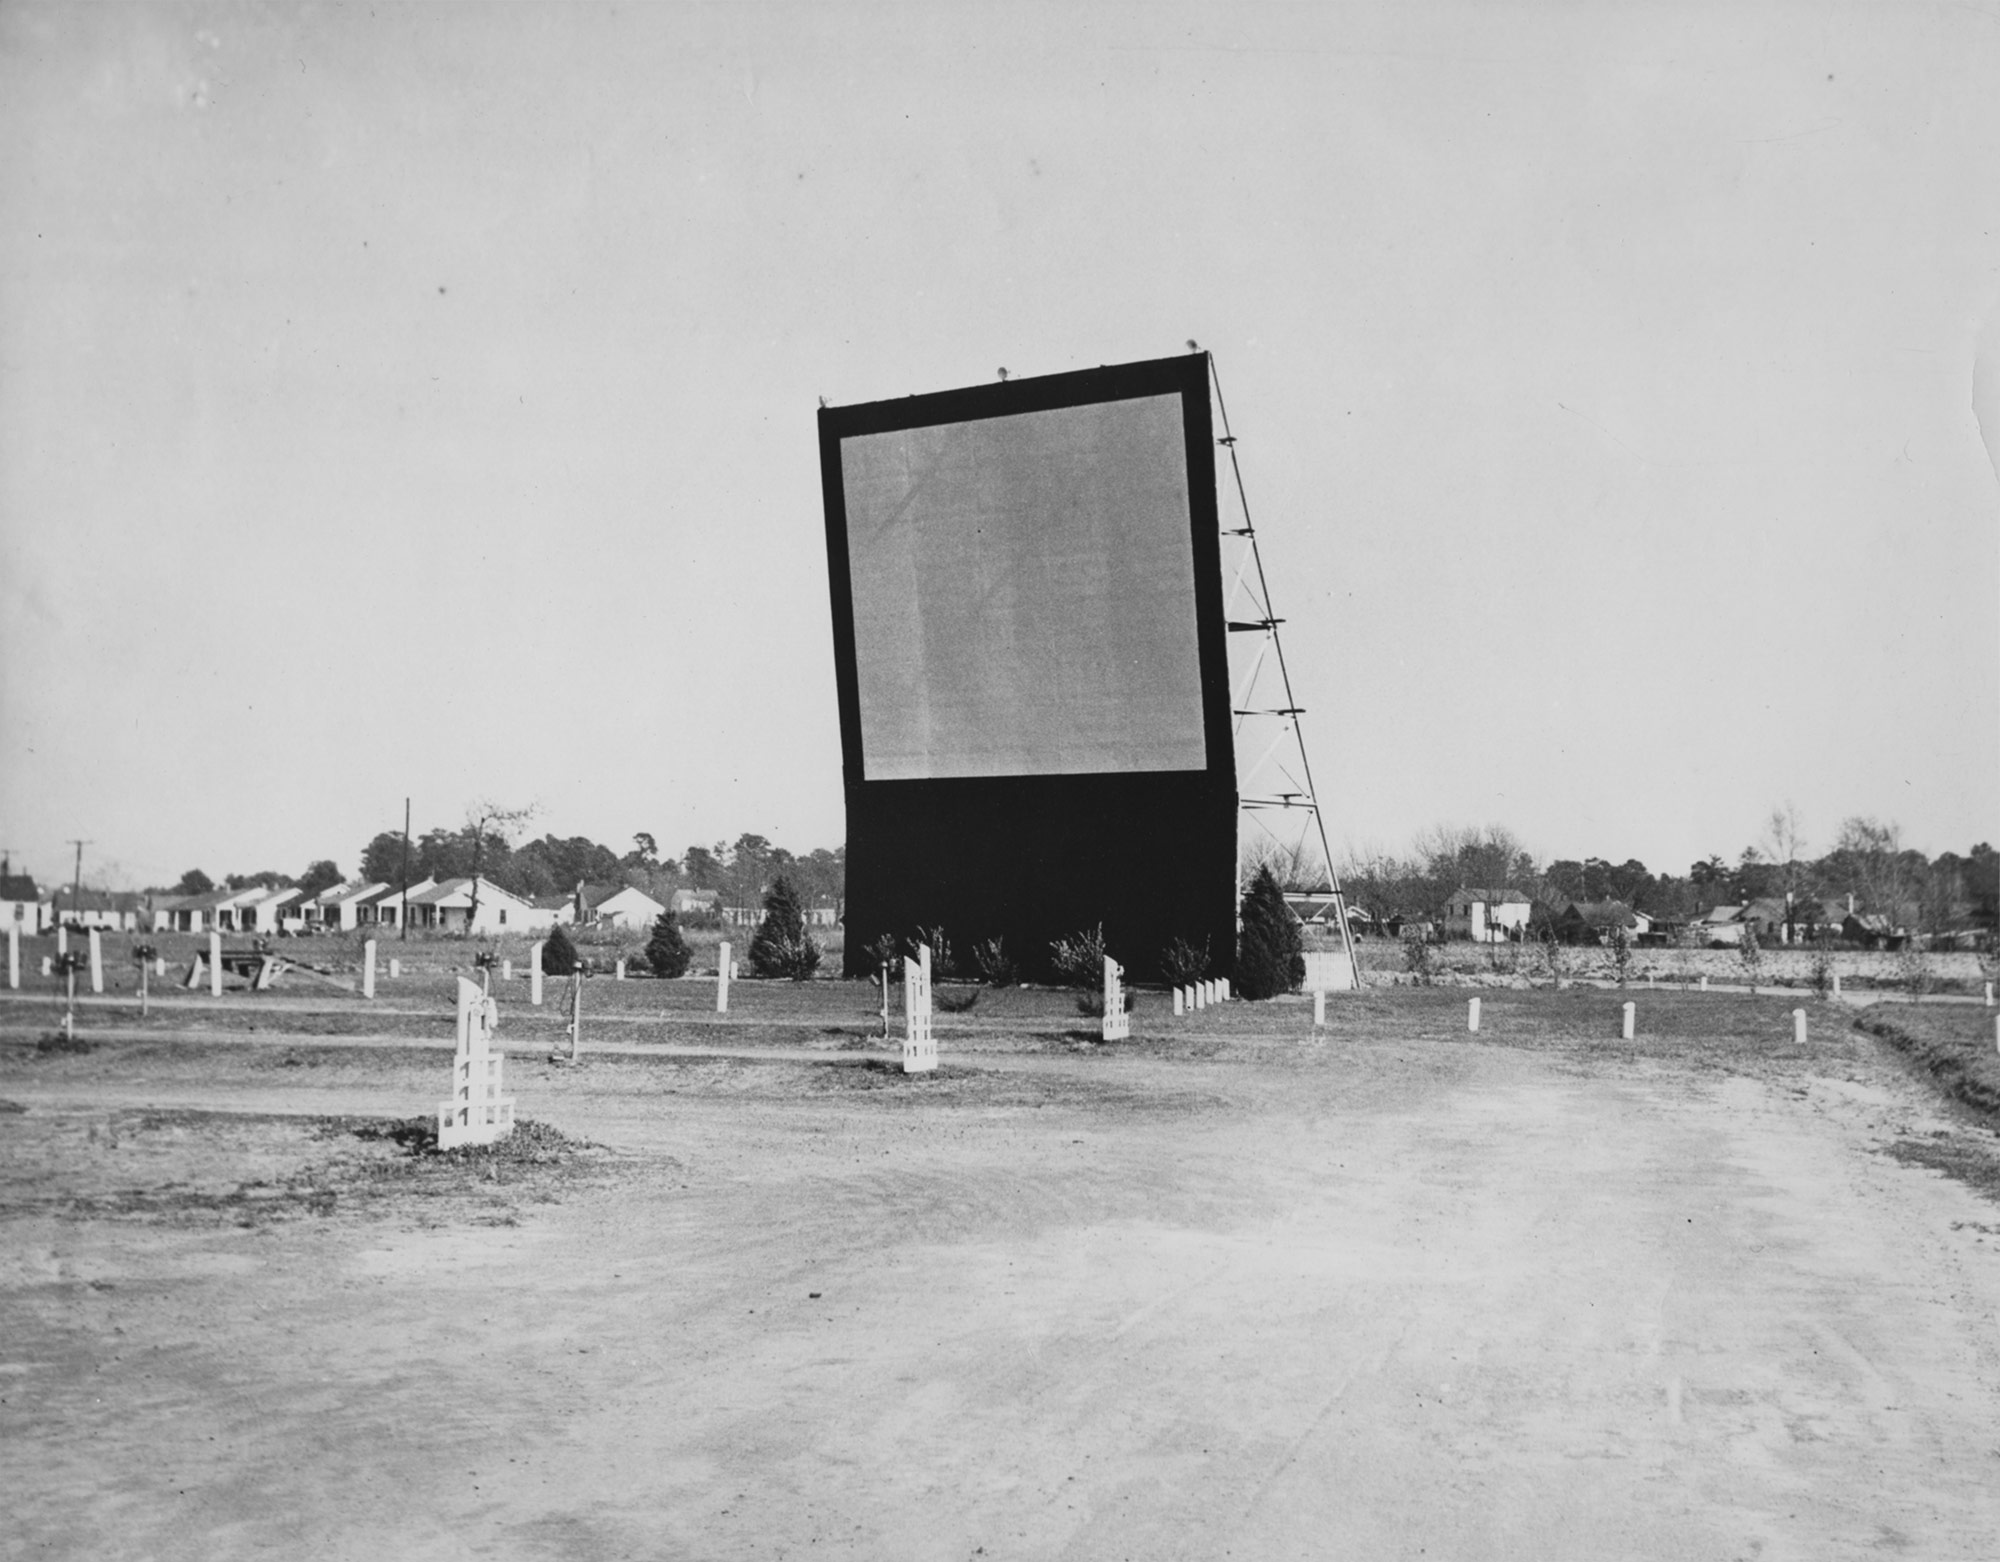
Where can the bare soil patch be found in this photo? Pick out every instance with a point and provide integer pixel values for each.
(1236, 1287)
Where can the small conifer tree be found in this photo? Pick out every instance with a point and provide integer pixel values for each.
(667, 951)
(1270, 954)
(558, 953)
(782, 946)
(1751, 954)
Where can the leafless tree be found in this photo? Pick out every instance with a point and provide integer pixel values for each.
(1874, 855)
(485, 818)
(1295, 865)
(1784, 842)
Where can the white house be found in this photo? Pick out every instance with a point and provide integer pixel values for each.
(114, 913)
(389, 908)
(260, 915)
(20, 902)
(697, 902)
(449, 907)
(1720, 925)
(214, 909)
(232, 913)
(349, 905)
(545, 911)
(167, 912)
(344, 907)
(21, 909)
(1487, 916)
(1314, 908)
(626, 907)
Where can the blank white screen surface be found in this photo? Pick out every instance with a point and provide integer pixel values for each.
(1024, 594)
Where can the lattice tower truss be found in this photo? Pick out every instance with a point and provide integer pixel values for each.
(1274, 780)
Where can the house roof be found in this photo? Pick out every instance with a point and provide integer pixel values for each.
(415, 889)
(349, 894)
(454, 892)
(18, 886)
(89, 900)
(621, 892)
(1603, 913)
(217, 899)
(1489, 897)
(1721, 914)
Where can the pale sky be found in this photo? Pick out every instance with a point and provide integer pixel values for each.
(422, 400)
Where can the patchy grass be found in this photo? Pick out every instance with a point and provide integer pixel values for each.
(1726, 1032)
(1959, 1156)
(1953, 1046)
(182, 1166)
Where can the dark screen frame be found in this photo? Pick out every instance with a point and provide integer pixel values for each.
(1149, 855)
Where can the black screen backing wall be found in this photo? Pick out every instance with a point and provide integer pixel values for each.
(1029, 650)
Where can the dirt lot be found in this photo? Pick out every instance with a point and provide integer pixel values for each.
(1228, 1290)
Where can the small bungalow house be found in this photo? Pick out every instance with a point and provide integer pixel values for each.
(1662, 931)
(450, 907)
(234, 915)
(621, 906)
(389, 908)
(1720, 927)
(212, 911)
(1314, 908)
(695, 902)
(166, 913)
(313, 909)
(20, 902)
(344, 907)
(545, 911)
(1870, 930)
(1321, 909)
(92, 908)
(1487, 916)
(260, 914)
(1770, 919)
(1595, 921)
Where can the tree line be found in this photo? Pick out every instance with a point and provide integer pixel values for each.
(741, 872)
(1867, 859)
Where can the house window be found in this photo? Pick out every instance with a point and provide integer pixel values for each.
(503, 916)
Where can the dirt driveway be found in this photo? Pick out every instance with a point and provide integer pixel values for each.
(1401, 1293)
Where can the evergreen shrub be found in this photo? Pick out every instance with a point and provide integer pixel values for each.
(782, 946)
(1270, 954)
(667, 951)
(558, 953)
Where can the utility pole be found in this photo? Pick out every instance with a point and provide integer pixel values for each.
(403, 910)
(76, 885)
